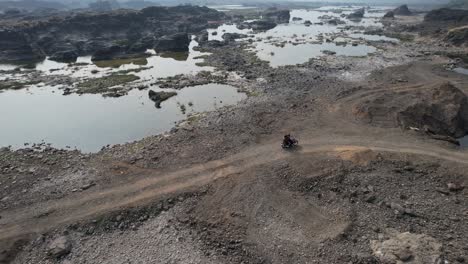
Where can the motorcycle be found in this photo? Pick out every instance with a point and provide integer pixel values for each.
(291, 144)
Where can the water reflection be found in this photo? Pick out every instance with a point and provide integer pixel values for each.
(297, 54)
(89, 122)
(149, 67)
(296, 43)
(461, 70)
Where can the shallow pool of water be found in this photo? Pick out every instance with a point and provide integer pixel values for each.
(8, 67)
(297, 54)
(463, 142)
(155, 66)
(373, 37)
(295, 43)
(461, 70)
(89, 122)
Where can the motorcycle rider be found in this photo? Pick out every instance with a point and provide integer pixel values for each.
(287, 140)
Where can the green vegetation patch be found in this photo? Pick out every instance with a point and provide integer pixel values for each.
(15, 85)
(119, 62)
(178, 56)
(249, 93)
(99, 85)
(133, 70)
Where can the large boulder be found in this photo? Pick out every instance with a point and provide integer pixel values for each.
(202, 36)
(440, 21)
(458, 36)
(176, 43)
(59, 247)
(402, 10)
(213, 44)
(335, 21)
(159, 97)
(389, 15)
(65, 56)
(279, 16)
(108, 53)
(258, 25)
(447, 15)
(357, 15)
(141, 45)
(441, 109)
(407, 248)
(233, 36)
(14, 46)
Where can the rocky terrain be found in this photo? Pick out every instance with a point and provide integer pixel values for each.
(376, 177)
(402, 11)
(113, 34)
(440, 109)
(446, 23)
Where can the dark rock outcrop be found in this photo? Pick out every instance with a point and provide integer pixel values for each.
(441, 109)
(357, 15)
(458, 36)
(108, 53)
(88, 32)
(178, 42)
(159, 97)
(59, 247)
(202, 37)
(141, 45)
(402, 10)
(335, 21)
(260, 25)
(389, 15)
(263, 25)
(233, 36)
(279, 16)
(213, 44)
(446, 24)
(447, 15)
(14, 45)
(65, 56)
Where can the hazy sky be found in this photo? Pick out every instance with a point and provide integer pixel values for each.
(246, 1)
(376, 2)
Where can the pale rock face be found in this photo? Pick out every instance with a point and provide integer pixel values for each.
(407, 248)
(59, 247)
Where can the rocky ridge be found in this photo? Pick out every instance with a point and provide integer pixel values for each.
(114, 33)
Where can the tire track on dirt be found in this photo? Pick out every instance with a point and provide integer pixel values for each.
(44, 216)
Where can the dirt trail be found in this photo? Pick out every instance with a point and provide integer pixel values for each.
(50, 214)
